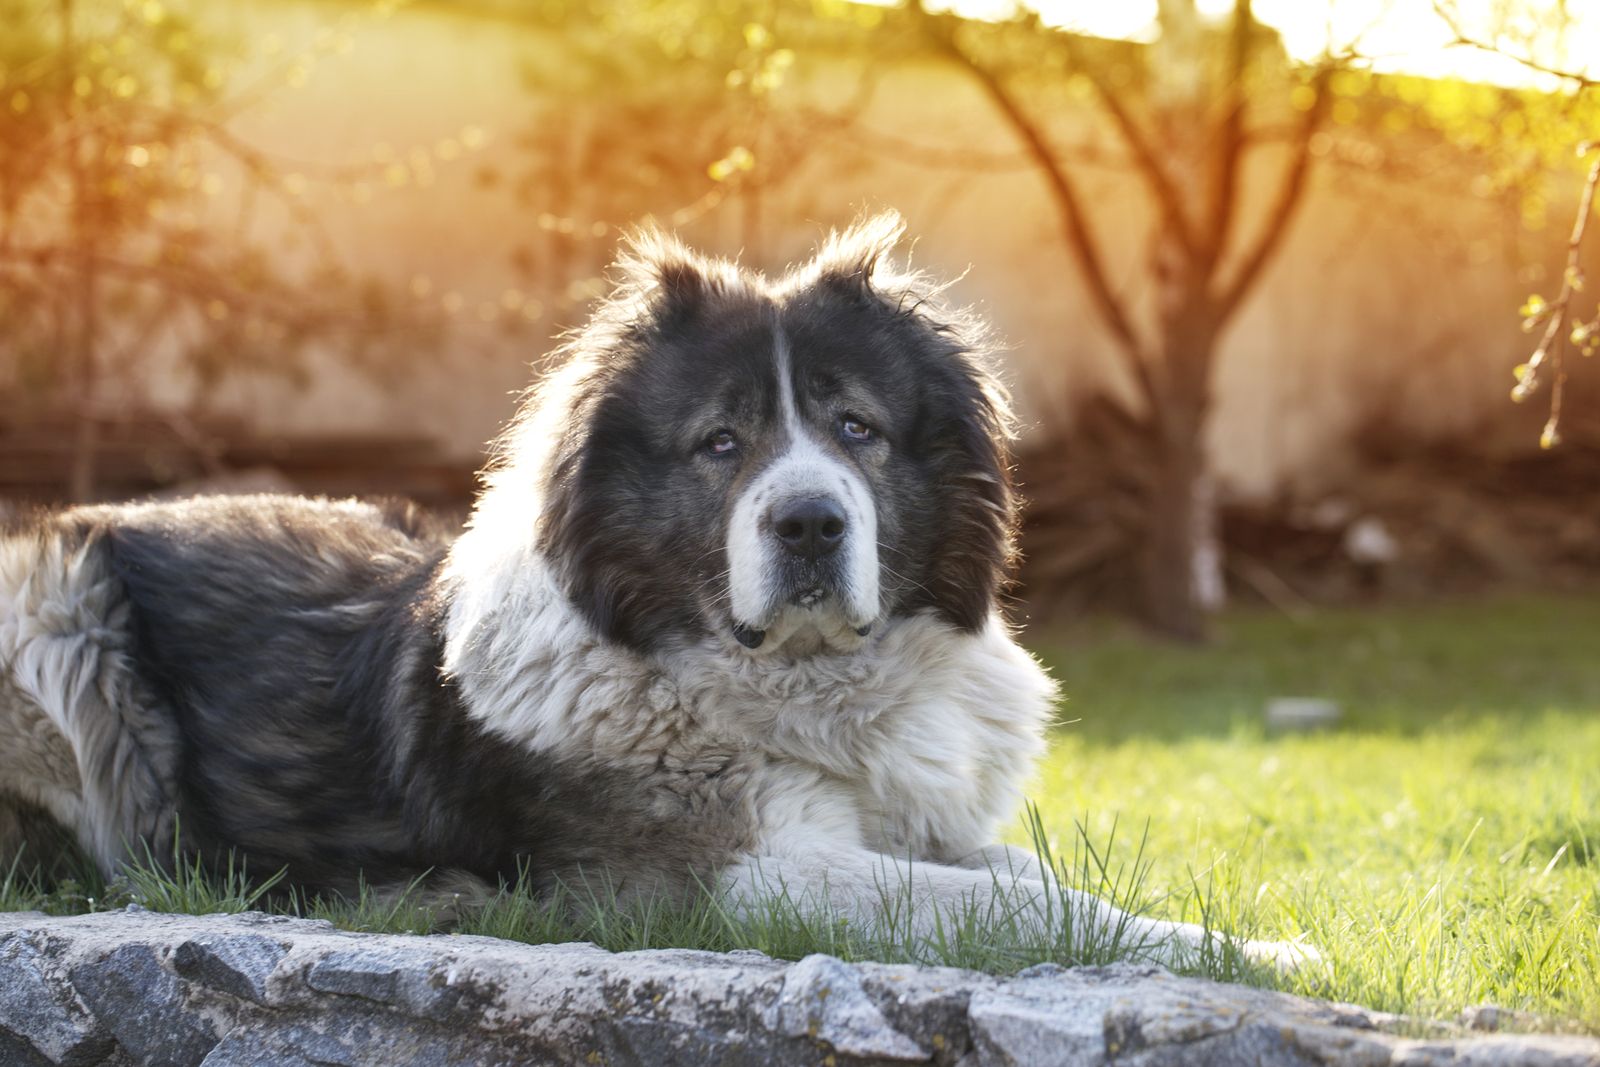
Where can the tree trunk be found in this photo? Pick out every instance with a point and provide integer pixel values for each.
(1181, 565)
(1182, 568)
(1182, 561)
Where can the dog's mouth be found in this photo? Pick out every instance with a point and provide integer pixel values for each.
(810, 598)
(810, 607)
(752, 638)
(807, 607)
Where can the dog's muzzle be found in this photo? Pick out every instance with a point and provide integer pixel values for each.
(802, 551)
(806, 533)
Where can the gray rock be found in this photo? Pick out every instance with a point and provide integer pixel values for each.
(378, 974)
(928, 1004)
(39, 1012)
(822, 998)
(237, 964)
(288, 1046)
(144, 1005)
(1301, 714)
(240, 991)
(1490, 1018)
(18, 1053)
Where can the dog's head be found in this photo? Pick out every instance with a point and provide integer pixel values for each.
(781, 464)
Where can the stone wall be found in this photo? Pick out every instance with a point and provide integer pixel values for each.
(137, 987)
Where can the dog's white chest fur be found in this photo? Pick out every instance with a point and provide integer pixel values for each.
(917, 744)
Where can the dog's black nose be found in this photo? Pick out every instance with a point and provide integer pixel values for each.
(810, 527)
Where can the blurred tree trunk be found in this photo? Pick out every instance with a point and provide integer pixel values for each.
(1187, 153)
(1182, 559)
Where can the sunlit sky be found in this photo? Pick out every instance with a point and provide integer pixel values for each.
(1400, 35)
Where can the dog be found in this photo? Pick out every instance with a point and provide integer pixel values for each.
(727, 613)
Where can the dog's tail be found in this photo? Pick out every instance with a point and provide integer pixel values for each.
(82, 742)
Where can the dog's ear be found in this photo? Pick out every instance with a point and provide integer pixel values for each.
(968, 439)
(601, 558)
(849, 259)
(664, 276)
(661, 288)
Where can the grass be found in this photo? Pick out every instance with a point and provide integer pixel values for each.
(1441, 846)
(994, 933)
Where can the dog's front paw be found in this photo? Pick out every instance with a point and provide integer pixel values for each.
(1286, 957)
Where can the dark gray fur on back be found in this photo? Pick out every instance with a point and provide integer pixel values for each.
(295, 646)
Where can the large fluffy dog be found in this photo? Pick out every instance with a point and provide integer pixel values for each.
(725, 612)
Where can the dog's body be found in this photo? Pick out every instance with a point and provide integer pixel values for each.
(726, 612)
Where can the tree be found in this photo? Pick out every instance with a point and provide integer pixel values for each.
(117, 144)
(1559, 322)
(1182, 109)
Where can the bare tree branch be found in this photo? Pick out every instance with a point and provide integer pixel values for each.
(1290, 193)
(1075, 225)
(882, 142)
(1230, 141)
(1150, 165)
(1463, 39)
(1556, 315)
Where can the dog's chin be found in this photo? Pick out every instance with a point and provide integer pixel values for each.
(809, 625)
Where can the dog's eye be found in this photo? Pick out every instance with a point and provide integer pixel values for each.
(856, 430)
(721, 443)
